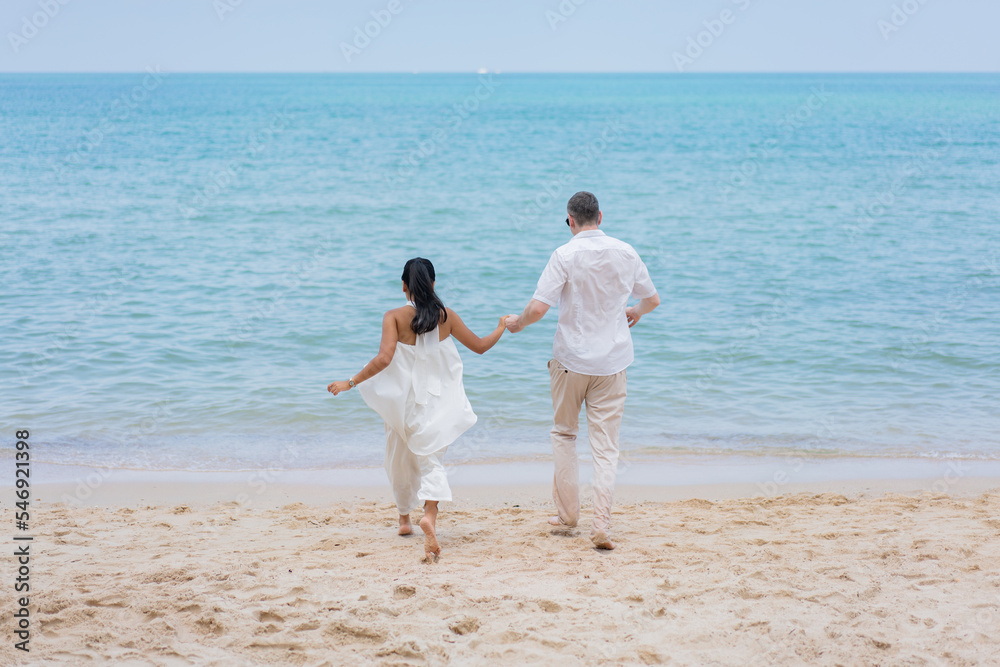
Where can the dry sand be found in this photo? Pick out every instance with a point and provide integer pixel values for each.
(802, 578)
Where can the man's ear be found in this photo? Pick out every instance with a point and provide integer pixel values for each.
(600, 215)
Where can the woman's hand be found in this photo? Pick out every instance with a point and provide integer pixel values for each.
(339, 386)
(503, 323)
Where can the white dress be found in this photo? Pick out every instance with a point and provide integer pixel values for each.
(421, 398)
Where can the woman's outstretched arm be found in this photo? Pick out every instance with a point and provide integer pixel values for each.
(470, 340)
(381, 360)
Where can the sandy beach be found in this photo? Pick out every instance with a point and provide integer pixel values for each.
(845, 573)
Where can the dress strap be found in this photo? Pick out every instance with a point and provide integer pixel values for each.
(426, 376)
(426, 368)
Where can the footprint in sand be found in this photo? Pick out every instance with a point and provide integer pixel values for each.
(404, 591)
(269, 617)
(465, 626)
(355, 633)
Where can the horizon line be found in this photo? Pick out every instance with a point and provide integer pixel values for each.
(489, 71)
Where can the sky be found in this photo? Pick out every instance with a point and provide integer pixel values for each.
(500, 35)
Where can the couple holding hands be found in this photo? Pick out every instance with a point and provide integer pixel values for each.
(415, 381)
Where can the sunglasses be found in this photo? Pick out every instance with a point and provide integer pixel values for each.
(567, 222)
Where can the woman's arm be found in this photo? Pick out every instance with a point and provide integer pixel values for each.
(470, 340)
(381, 360)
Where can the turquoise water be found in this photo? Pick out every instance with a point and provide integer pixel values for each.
(188, 260)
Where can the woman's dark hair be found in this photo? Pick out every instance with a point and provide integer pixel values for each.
(418, 274)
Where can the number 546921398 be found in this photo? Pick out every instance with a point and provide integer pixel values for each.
(22, 475)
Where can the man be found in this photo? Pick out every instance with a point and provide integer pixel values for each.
(590, 279)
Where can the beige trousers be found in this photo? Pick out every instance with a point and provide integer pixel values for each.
(605, 399)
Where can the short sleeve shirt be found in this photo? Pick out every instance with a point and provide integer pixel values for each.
(590, 279)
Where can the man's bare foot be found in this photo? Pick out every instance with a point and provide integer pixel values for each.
(602, 541)
(559, 523)
(428, 524)
(404, 525)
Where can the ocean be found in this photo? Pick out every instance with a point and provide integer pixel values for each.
(188, 260)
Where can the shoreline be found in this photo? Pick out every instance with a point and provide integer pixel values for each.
(530, 483)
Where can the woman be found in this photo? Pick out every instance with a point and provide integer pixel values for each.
(417, 389)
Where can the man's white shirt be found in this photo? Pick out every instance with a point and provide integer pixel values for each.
(590, 280)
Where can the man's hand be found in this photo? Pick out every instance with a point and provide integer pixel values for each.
(339, 386)
(647, 305)
(534, 311)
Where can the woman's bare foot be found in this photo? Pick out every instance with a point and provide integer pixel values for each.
(428, 524)
(404, 524)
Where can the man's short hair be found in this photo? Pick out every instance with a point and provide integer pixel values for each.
(584, 208)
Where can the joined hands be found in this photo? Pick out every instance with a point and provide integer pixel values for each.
(512, 322)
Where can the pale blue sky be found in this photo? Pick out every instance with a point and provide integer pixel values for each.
(505, 35)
